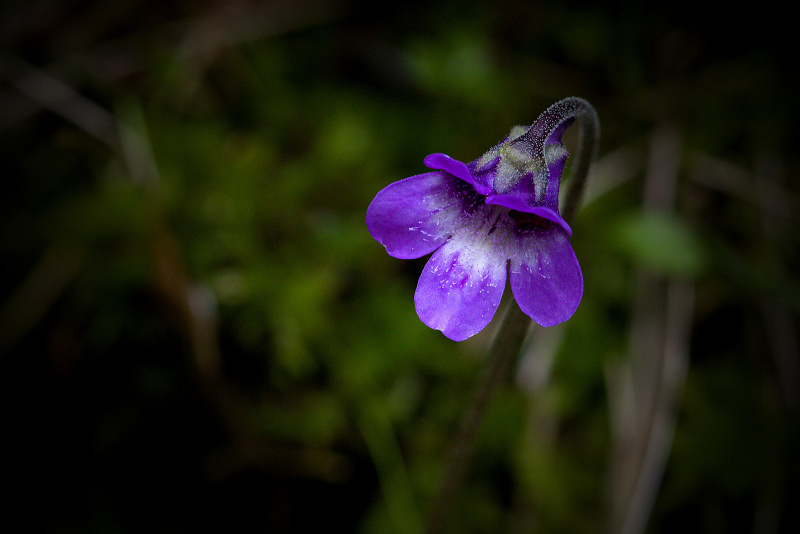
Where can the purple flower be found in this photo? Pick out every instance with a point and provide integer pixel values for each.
(494, 218)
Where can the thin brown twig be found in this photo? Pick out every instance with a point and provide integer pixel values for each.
(644, 391)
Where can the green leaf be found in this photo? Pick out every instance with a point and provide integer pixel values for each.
(663, 242)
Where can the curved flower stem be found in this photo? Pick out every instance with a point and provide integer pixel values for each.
(587, 151)
(512, 332)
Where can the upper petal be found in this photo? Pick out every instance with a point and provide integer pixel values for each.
(457, 169)
(518, 204)
(545, 276)
(415, 216)
(462, 284)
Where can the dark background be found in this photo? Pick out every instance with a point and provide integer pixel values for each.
(198, 333)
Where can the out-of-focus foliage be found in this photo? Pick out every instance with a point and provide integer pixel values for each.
(197, 331)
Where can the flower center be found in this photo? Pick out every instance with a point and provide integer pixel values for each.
(529, 221)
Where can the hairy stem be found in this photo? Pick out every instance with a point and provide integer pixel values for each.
(587, 151)
(503, 353)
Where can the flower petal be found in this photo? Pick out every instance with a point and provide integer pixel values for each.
(517, 203)
(462, 284)
(556, 158)
(546, 278)
(415, 216)
(456, 168)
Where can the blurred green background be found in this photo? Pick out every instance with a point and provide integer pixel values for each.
(197, 331)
